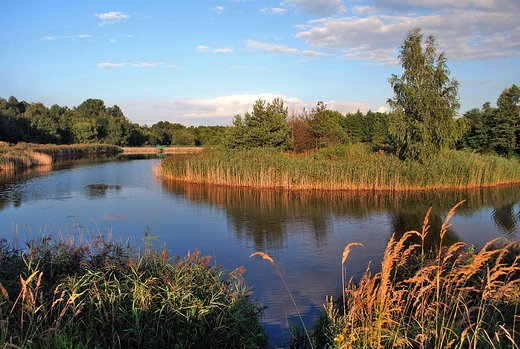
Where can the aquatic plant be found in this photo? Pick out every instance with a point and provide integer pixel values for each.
(342, 168)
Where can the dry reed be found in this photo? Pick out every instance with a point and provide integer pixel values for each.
(449, 298)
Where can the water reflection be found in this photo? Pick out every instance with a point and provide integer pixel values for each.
(264, 217)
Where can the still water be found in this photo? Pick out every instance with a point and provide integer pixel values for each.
(304, 232)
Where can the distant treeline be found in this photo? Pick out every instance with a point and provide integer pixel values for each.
(487, 130)
(92, 122)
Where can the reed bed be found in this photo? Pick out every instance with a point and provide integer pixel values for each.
(59, 293)
(344, 168)
(450, 297)
(24, 155)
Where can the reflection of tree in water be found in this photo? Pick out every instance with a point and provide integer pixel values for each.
(506, 219)
(266, 217)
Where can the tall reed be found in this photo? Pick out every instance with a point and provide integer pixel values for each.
(448, 298)
(339, 169)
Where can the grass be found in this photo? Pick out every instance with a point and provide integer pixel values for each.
(59, 293)
(25, 155)
(341, 168)
(450, 297)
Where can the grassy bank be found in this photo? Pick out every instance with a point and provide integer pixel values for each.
(25, 155)
(101, 294)
(452, 297)
(342, 168)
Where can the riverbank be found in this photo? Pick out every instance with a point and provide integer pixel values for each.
(343, 168)
(24, 155)
(161, 150)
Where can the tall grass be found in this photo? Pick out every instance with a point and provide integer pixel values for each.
(101, 294)
(450, 297)
(343, 168)
(24, 155)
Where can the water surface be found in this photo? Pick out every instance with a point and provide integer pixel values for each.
(304, 232)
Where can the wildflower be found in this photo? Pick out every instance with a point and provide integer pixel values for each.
(339, 338)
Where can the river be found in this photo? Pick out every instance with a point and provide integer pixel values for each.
(304, 232)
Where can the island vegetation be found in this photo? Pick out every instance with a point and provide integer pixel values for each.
(419, 145)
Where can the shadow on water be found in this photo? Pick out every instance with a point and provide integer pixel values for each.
(264, 216)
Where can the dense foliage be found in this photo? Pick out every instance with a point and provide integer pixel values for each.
(92, 122)
(425, 101)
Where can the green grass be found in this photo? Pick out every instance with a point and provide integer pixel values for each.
(341, 168)
(101, 294)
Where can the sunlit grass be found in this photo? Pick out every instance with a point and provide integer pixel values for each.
(25, 155)
(342, 168)
(451, 297)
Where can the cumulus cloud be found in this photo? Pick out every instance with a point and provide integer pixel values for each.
(464, 34)
(255, 45)
(220, 110)
(318, 7)
(112, 17)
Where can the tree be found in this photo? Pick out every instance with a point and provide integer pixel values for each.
(266, 126)
(425, 100)
(506, 133)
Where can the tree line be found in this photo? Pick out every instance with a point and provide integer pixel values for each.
(422, 121)
(93, 122)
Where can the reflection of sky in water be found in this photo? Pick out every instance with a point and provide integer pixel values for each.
(305, 235)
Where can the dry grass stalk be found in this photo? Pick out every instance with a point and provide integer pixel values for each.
(451, 299)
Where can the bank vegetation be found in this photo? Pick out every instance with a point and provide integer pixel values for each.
(356, 167)
(24, 155)
(90, 292)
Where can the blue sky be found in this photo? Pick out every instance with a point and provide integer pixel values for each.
(201, 62)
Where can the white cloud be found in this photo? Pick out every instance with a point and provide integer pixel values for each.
(148, 65)
(275, 10)
(223, 50)
(218, 8)
(318, 7)
(138, 65)
(72, 37)
(255, 45)
(313, 54)
(112, 17)
(220, 110)
(203, 48)
(111, 65)
(464, 34)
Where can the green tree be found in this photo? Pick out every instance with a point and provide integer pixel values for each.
(425, 100)
(266, 126)
(506, 132)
